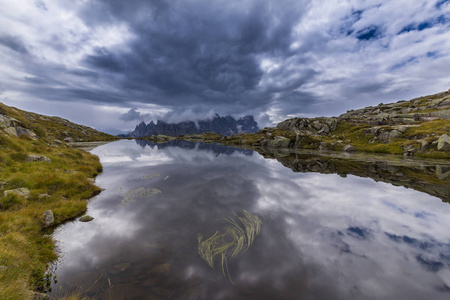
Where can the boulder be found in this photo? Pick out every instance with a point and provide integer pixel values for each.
(49, 219)
(12, 127)
(19, 192)
(86, 218)
(32, 157)
(348, 148)
(279, 142)
(443, 143)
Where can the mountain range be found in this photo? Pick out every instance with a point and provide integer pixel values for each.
(226, 125)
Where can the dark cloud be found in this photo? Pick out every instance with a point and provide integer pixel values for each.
(14, 43)
(196, 52)
(196, 57)
(133, 115)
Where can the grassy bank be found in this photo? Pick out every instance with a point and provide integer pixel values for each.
(60, 180)
(61, 186)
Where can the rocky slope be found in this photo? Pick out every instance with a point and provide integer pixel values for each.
(417, 127)
(17, 122)
(222, 125)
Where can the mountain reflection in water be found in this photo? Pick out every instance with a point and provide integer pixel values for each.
(322, 236)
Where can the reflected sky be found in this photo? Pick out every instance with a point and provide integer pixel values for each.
(323, 236)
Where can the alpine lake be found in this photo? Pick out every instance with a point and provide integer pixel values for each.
(185, 220)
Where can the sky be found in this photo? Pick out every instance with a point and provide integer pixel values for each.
(111, 64)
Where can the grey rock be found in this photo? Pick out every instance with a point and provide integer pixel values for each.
(442, 172)
(443, 143)
(19, 192)
(86, 218)
(49, 219)
(279, 142)
(323, 147)
(32, 157)
(3, 268)
(348, 148)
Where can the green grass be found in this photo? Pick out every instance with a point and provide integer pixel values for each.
(62, 186)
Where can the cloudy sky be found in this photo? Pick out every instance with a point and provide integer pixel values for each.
(112, 63)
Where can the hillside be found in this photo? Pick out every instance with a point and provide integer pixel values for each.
(43, 182)
(419, 127)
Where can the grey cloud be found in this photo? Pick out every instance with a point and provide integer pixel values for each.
(194, 57)
(40, 4)
(133, 115)
(14, 43)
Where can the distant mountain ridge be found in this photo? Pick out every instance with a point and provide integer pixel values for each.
(226, 125)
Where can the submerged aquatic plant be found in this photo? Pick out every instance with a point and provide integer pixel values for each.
(131, 196)
(150, 176)
(234, 238)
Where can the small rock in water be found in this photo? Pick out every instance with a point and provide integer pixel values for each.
(49, 219)
(86, 218)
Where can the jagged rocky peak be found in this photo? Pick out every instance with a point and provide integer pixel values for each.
(226, 125)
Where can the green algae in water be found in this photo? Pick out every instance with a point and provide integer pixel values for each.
(131, 196)
(150, 176)
(234, 238)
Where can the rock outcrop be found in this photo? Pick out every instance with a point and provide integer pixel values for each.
(222, 125)
(443, 143)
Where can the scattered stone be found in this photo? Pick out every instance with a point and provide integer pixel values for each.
(86, 218)
(41, 196)
(426, 145)
(3, 268)
(32, 157)
(19, 192)
(91, 180)
(348, 148)
(323, 147)
(443, 143)
(409, 150)
(49, 219)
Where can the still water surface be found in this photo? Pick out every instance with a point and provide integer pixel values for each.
(322, 236)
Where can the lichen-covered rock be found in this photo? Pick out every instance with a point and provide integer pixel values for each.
(32, 157)
(443, 143)
(279, 142)
(348, 148)
(86, 218)
(12, 127)
(19, 192)
(49, 219)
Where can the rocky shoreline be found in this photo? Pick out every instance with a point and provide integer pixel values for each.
(419, 127)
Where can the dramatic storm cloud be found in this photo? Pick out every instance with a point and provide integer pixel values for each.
(114, 63)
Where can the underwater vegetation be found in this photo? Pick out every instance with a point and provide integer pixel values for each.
(131, 196)
(236, 237)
